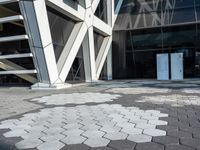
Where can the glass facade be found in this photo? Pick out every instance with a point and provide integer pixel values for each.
(146, 28)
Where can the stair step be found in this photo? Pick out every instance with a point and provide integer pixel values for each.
(18, 72)
(11, 19)
(16, 56)
(13, 38)
(7, 1)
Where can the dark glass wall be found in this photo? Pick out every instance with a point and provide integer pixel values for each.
(146, 28)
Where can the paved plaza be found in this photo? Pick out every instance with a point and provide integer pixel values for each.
(115, 115)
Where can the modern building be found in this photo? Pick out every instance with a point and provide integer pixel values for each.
(53, 42)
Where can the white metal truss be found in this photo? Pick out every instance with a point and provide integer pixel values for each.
(37, 27)
(83, 34)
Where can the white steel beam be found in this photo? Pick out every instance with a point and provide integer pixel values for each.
(37, 27)
(13, 38)
(71, 49)
(103, 54)
(95, 4)
(101, 27)
(89, 56)
(11, 19)
(76, 14)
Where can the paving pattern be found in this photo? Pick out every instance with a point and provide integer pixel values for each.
(76, 98)
(117, 115)
(138, 90)
(175, 100)
(94, 126)
(192, 91)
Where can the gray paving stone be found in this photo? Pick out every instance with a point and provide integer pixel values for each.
(30, 143)
(101, 148)
(122, 145)
(140, 138)
(178, 147)
(96, 142)
(149, 146)
(191, 142)
(51, 145)
(166, 140)
(179, 134)
(76, 147)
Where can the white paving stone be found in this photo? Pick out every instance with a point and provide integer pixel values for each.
(55, 137)
(51, 145)
(74, 140)
(154, 132)
(76, 98)
(145, 126)
(132, 130)
(30, 143)
(116, 136)
(91, 133)
(157, 122)
(140, 138)
(92, 125)
(97, 142)
(15, 133)
(73, 132)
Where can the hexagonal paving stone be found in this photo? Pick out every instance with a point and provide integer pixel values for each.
(149, 146)
(116, 136)
(157, 122)
(140, 138)
(92, 133)
(154, 132)
(73, 140)
(30, 143)
(52, 137)
(166, 140)
(73, 132)
(72, 126)
(15, 133)
(96, 142)
(191, 142)
(178, 147)
(99, 123)
(51, 145)
(132, 130)
(145, 126)
(122, 145)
